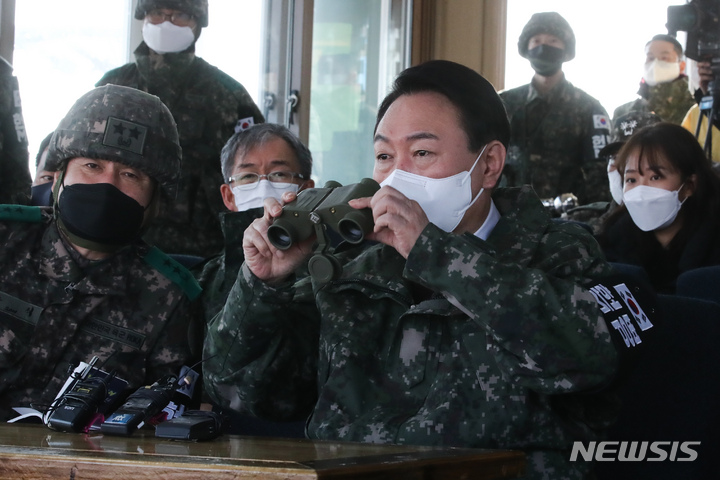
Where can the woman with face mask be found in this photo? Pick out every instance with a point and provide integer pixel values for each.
(669, 221)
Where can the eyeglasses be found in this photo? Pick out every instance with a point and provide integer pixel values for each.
(181, 19)
(250, 178)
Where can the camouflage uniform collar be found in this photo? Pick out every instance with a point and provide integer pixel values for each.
(233, 225)
(63, 264)
(557, 90)
(663, 90)
(169, 66)
(523, 219)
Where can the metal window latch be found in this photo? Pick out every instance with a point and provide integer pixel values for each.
(292, 102)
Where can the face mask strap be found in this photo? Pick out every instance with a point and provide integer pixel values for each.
(477, 160)
(678, 193)
(469, 174)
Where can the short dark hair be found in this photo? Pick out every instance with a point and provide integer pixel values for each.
(257, 135)
(670, 39)
(482, 113)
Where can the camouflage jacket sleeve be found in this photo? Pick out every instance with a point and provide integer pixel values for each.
(260, 358)
(525, 287)
(597, 136)
(14, 171)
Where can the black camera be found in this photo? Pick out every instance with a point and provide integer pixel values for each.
(87, 396)
(324, 206)
(701, 20)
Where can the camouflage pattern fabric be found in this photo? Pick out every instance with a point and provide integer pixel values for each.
(670, 100)
(15, 177)
(124, 125)
(207, 104)
(593, 214)
(58, 309)
(555, 142)
(463, 344)
(217, 275)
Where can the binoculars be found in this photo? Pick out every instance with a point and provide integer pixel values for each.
(324, 206)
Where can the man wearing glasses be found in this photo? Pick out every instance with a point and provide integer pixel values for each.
(208, 106)
(263, 161)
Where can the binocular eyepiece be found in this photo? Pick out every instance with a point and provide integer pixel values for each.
(327, 206)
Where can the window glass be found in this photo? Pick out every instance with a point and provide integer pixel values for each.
(61, 50)
(233, 41)
(358, 48)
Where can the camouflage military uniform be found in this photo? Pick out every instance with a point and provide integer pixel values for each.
(218, 274)
(58, 309)
(207, 104)
(670, 100)
(14, 171)
(465, 343)
(555, 141)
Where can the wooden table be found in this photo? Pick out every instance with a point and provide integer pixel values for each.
(36, 452)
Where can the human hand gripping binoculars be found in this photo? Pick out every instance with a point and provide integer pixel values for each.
(313, 211)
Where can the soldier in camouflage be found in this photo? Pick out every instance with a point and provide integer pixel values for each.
(557, 130)
(76, 280)
(594, 214)
(14, 170)
(262, 161)
(664, 88)
(459, 326)
(208, 106)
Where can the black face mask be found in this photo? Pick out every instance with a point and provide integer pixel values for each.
(41, 195)
(100, 213)
(546, 60)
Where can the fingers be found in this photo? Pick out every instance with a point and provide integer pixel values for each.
(255, 238)
(392, 208)
(398, 220)
(273, 207)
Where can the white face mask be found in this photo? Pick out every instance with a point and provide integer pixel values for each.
(659, 71)
(252, 195)
(616, 186)
(652, 208)
(167, 37)
(444, 200)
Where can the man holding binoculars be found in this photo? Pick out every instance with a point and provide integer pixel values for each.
(456, 324)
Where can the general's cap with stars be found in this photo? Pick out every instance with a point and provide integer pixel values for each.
(124, 125)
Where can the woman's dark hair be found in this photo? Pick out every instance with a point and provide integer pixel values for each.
(674, 144)
(482, 113)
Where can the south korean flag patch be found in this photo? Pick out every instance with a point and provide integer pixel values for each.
(628, 310)
(633, 305)
(243, 124)
(601, 122)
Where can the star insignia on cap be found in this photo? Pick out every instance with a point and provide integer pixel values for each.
(125, 135)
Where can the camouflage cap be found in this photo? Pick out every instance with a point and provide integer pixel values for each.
(624, 127)
(197, 8)
(124, 125)
(551, 23)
